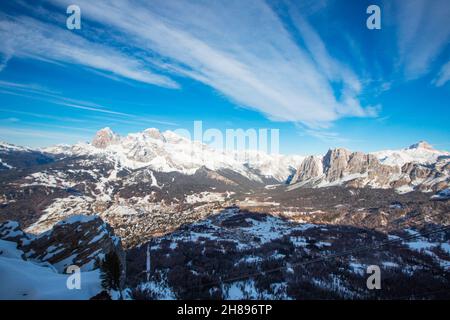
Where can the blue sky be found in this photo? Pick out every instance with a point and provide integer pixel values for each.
(309, 68)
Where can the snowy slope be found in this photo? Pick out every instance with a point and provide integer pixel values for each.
(421, 152)
(5, 146)
(5, 165)
(25, 279)
(276, 166)
(169, 152)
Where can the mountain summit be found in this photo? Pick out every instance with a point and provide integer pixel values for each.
(421, 145)
(104, 138)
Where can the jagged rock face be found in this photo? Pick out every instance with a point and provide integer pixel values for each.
(311, 167)
(416, 172)
(358, 162)
(380, 175)
(78, 240)
(104, 138)
(356, 169)
(335, 162)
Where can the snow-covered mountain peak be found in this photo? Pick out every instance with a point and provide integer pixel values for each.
(104, 138)
(106, 131)
(159, 151)
(173, 137)
(422, 145)
(170, 152)
(154, 134)
(5, 146)
(421, 152)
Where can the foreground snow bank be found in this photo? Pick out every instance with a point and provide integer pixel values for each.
(25, 279)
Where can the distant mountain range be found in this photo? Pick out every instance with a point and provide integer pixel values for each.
(418, 167)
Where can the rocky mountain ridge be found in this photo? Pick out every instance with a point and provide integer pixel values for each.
(355, 169)
(79, 240)
(418, 167)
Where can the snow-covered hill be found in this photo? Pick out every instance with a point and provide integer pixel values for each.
(276, 166)
(5, 146)
(17, 157)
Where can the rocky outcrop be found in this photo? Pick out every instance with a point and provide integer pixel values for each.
(335, 162)
(311, 167)
(104, 138)
(356, 169)
(78, 240)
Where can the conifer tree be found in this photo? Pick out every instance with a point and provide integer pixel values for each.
(111, 271)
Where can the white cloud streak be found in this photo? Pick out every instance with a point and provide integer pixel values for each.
(27, 37)
(36, 92)
(40, 137)
(444, 75)
(423, 34)
(241, 49)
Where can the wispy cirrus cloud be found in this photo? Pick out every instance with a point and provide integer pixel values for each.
(37, 92)
(44, 136)
(28, 37)
(334, 71)
(42, 116)
(135, 121)
(26, 87)
(423, 34)
(241, 49)
(443, 76)
(4, 58)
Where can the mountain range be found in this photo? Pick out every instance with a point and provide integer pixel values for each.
(175, 195)
(418, 167)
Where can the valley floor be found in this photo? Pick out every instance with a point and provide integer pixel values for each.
(238, 254)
